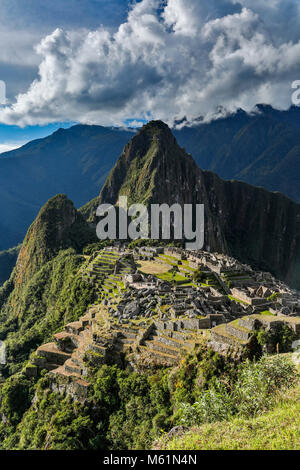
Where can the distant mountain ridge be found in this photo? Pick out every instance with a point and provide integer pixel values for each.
(262, 148)
(73, 161)
(8, 259)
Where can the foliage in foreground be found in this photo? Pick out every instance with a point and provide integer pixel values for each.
(276, 429)
(128, 410)
(253, 392)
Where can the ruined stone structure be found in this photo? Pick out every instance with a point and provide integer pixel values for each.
(236, 338)
(151, 320)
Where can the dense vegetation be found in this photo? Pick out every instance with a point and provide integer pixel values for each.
(45, 290)
(129, 410)
(276, 429)
(54, 296)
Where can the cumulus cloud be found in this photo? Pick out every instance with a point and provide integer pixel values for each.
(168, 60)
(281, 17)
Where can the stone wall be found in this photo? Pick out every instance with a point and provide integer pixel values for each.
(77, 389)
(238, 333)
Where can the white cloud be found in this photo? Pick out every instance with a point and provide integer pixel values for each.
(184, 59)
(7, 146)
(281, 17)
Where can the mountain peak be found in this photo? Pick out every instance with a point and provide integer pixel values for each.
(154, 169)
(154, 132)
(57, 226)
(156, 127)
(264, 108)
(151, 158)
(158, 131)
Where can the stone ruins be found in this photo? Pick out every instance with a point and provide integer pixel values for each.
(154, 304)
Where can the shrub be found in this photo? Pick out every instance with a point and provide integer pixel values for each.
(215, 404)
(15, 396)
(98, 246)
(281, 338)
(253, 392)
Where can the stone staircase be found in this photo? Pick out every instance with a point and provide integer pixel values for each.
(64, 357)
(232, 338)
(126, 338)
(237, 278)
(163, 347)
(113, 282)
(100, 268)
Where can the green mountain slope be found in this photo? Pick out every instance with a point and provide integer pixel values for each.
(45, 288)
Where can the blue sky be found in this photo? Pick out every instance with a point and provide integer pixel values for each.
(35, 19)
(23, 23)
(120, 62)
(14, 136)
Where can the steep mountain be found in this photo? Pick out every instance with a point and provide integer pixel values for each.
(88, 326)
(262, 148)
(44, 288)
(58, 226)
(73, 161)
(249, 223)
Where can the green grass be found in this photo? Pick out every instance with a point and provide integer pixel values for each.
(237, 325)
(267, 313)
(238, 300)
(189, 284)
(172, 258)
(277, 429)
(168, 260)
(169, 277)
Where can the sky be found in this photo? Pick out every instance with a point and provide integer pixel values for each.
(122, 62)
